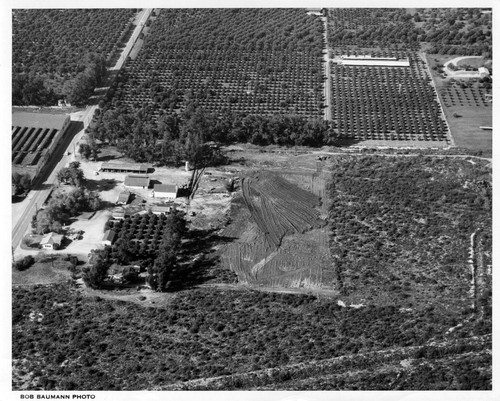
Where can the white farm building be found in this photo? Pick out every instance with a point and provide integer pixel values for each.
(367, 60)
(168, 191)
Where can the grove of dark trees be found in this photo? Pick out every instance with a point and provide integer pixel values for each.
(54, 51)
(175, 138)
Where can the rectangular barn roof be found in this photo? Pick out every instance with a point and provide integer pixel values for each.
(165, 188)
(109, 236)
(123, 196)
(137, 167)
(38, 120)
(136, 181)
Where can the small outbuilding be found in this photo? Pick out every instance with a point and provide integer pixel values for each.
(125, 168)
(168, 191)
(123, 198)
(160, 209)
(118, 213)
(137, 181)
(51, 241)
(109, 237)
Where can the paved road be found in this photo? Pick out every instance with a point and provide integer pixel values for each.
(39, 194)
(44, 186)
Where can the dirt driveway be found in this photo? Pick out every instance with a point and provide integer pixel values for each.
(92, 237)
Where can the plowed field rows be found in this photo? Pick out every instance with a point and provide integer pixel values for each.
(279, 207)
(277, 237)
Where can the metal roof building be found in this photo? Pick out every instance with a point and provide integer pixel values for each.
(165, 191)
(125, 168)
(123, 198)
(137, 181)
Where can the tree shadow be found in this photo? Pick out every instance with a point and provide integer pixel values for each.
(105, 184)
(106, 158)
(206, 266)
(106, 205)
(45, 186)
(153, 182)
(17, 198)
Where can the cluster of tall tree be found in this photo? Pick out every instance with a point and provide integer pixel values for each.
(80, 89)
(30, 90)
(72, 175)
(20, 183)
(192, 134)
(62, 206)
(97, 271)
(162, 272)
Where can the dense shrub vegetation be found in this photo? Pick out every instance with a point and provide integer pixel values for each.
(401, 228)
(50, 48)
(24, 263)
(460, 31)
(387, 28)
(81, 343)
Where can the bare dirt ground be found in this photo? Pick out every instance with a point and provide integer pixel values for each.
(302, 262)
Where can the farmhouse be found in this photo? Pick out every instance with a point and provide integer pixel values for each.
(109, 237)
(137, 181)
(125, 168)
(123, 198)
(167, 191)
(51, 241)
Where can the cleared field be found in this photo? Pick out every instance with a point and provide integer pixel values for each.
(279, 238)
(466, 108)
(278, 207)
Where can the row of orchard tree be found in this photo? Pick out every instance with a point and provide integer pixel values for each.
(162, 264)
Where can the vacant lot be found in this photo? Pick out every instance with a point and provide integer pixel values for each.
(48, 269)
(276, 231)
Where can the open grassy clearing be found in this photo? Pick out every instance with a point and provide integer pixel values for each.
(472, 106)
(65, 341)
(401, 229)
(48, 269)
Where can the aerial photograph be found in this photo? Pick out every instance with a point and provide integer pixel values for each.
(266, 199)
